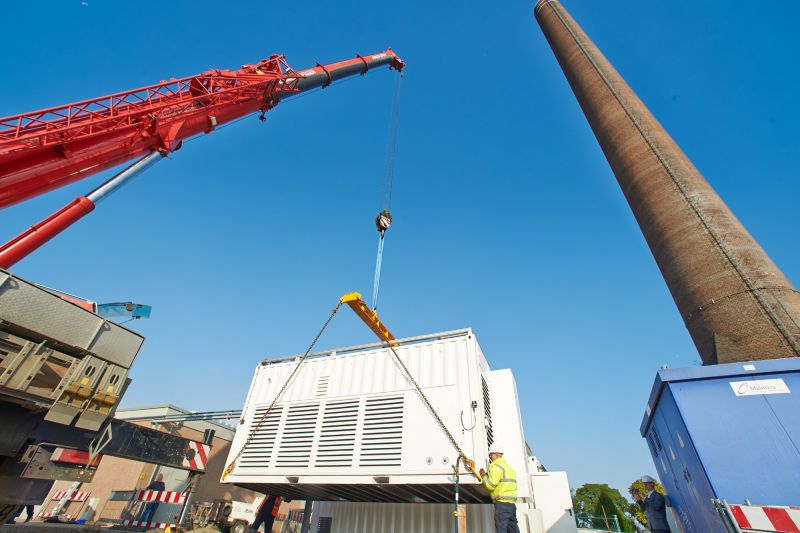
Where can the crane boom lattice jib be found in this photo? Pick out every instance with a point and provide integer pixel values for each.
(52, 147)
(45, 149)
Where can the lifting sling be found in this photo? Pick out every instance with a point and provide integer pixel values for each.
(370, 318)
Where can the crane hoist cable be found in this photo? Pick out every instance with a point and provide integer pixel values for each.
(384, 218)
(370, 318)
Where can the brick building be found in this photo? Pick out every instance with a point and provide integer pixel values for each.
(115, 474)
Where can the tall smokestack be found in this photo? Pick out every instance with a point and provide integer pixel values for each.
(736, 304)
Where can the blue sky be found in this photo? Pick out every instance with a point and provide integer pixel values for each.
(507, 217)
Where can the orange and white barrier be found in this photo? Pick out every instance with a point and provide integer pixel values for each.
(66, 517)
(148, 525)
(162, 496)
(766, 518)
(77, 497)
(196, 455)
(761, 518)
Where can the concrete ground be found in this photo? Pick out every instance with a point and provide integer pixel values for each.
(49, 527)
(55, 527)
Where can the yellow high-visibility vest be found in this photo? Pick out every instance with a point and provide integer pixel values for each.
(501, 480)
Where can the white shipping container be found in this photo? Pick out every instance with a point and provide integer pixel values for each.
(351, 427)
(349, 517)
(548, 511)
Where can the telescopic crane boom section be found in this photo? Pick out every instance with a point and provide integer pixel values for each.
(45, 149)
(42, 150)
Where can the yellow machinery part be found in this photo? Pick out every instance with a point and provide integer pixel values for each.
(370, 317)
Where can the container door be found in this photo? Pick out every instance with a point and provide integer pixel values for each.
(688, 468)
(675, 490)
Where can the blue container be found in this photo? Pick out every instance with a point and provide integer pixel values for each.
(725, 431)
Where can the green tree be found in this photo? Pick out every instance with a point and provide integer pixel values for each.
(597, 497)
(608, 508)
(633, 508)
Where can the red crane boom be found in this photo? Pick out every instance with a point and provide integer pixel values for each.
(50, 148)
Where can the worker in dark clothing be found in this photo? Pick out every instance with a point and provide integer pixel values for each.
(12, 518)
(654, 506)
(267, 513)
(150, 507)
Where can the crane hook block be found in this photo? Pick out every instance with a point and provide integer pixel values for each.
(383, 221)
(370, 317)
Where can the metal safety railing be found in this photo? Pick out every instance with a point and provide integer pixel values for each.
(597, 522)
(292, 521)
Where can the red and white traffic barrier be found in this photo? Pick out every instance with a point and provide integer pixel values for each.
(196, 455)
(162, 496)
(66, 517)
(148, 525)
(77, 497)
(764, 518)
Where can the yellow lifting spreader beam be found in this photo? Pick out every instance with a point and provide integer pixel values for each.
(370, 317)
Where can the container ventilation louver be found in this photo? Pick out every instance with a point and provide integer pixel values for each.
(338, 434)
(298, 436)
(487, 411)
(262, 444)
(382, 440)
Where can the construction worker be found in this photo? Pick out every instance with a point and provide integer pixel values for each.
(653, 504)
(266, 514)
(150, 507)
(501, 480)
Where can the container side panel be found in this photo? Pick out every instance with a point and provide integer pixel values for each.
(345, 517)
(786, 408)
(551, 496)
(748, 443)
(508, 427)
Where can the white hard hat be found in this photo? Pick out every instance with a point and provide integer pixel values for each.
(495, 448)
(648, 479)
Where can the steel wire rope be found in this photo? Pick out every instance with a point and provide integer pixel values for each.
(391, 147)
(384, 218)
(253, 431)
(469, 463)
